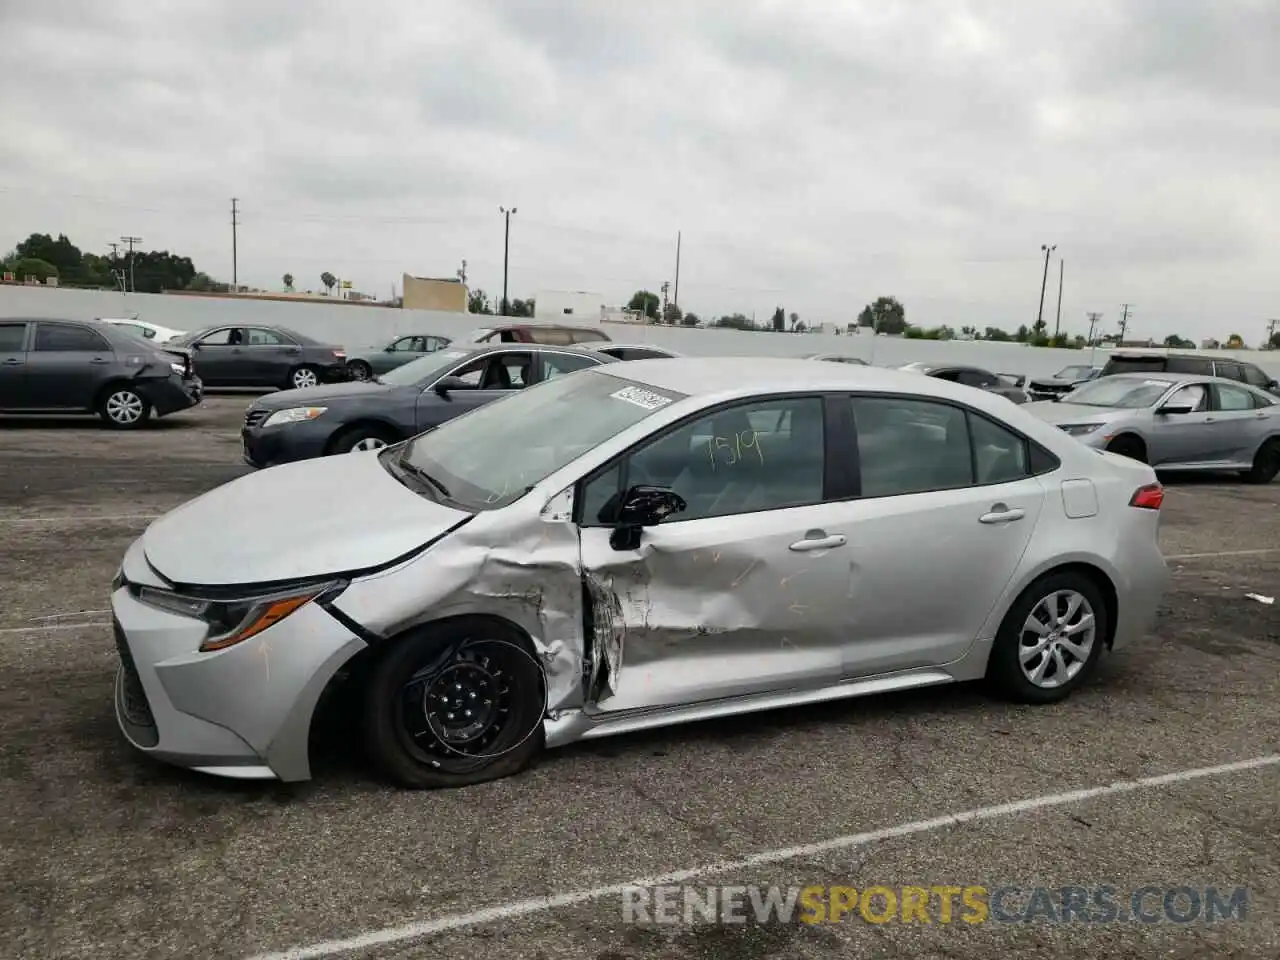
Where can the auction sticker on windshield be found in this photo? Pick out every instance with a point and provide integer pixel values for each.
(641, 398)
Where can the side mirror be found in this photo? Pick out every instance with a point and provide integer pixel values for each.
(451, 383)
(636, 508)
(196, 345)
(1176, 408)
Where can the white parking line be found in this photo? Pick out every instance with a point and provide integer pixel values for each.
(522, 908)
(1221, 553)
(42, 627)
(78, 518)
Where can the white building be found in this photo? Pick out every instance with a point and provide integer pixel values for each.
(568, 306)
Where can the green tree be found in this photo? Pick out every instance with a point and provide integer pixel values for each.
(645, 302)
(865, 319)
(779, 321)
(795, 320)
(1274, 342)
(63, 255)
(288, 282)
(1177, 342)
(25, 267)
(328, 279)
(996, 334)
(1022, 334)
(736, 321)
(521, 308)
(690, 319)
(887, 315)
(1235, 342)
(478, 302)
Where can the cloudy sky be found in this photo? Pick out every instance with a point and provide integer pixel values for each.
(813, 154)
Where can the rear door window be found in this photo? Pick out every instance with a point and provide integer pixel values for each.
(65, 338)
(911, 446)
(13, 337)
(1232, 398)
(1255, 377)
(1134, 365)
(1232, 371)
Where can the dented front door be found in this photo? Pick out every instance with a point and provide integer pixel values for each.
(717, 607)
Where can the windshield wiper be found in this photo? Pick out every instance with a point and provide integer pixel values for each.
(417, 472)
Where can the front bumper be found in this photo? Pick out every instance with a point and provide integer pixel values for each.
(269, 446)
(240, 712)
(171, 394)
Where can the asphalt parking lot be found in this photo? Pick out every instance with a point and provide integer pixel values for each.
(106, 854)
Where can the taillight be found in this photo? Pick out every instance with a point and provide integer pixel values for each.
(339, 354)
(1149, 497)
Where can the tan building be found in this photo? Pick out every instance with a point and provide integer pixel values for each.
(424, 293)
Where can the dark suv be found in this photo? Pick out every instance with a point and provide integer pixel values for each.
(1123, 361)
(83, 366)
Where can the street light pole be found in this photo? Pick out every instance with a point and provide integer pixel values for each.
(1057, 324)
(1044, 282)
(506, 253)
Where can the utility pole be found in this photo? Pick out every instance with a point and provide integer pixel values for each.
(1094, 320)
(115, 248)
(1043, 283)
(1057, 324)
(1124, 323)
(131, 241)
(1271, 333)
(235, 222)
(506, 254)
(462, 273)
(676, 298)
(662, 317)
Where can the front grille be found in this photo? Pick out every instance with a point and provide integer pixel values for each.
(254, 417)
(131, 698)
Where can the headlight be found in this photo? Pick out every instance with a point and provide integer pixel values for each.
(293, 415)
(1080, 429)
(178, 368)
(231, 621)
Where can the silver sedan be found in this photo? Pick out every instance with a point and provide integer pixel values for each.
(1175, 422)
(676, 540)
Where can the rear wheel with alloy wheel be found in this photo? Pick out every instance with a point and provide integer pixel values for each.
(303, 377)
(456, 704)
(1050, 640)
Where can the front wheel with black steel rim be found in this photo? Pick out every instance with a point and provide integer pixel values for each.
(453, 705)
(303, 377)
(123, 408)
(359, 370)
(1266, 463)
(1050, 640)
(1127, 445)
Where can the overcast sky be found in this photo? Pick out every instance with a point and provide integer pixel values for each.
(814, 154)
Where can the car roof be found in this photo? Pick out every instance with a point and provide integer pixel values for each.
(483, 348)
(726, 378)
(1174, 377)
(615, 345)
(1165, 352)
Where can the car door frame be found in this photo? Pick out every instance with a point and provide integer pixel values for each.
(81, 376)
(973, 511)
(614, 690)
(424, 403)
(1195, 428)
(539, 369)
(13, 367)
(1242, 431)
(268, 364)
(223, 373)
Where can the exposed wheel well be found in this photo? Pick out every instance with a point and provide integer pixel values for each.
(342, 692)
(383, 429)
(1129, 438)
(1105, 587)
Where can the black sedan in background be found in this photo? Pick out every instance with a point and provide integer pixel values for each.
(85, 366)
(260, 356)
(301, 424)
(971, 377)
(1062, 382)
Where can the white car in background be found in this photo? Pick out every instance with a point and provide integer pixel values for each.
(147, 331)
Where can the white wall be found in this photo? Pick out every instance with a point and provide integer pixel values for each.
(355, 326)
(549, 306)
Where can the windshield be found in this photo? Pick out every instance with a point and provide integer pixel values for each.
(1124, 392)
(491, 456)
(1073, 373)
(424, 369)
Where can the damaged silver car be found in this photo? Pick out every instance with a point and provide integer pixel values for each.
(632, 546)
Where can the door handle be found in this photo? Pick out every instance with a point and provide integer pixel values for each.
(97, 360)
(818, 540)
(1002, 514)
(1209, 419)
(15, 362)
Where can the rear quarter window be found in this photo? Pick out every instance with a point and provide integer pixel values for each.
(1202, 368)
(1134, 365)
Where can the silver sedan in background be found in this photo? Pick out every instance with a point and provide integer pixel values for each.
(674, 540)
(1174, 422)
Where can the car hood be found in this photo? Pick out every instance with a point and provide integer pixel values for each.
(314, 518)
(310, 396)
(1057, 413)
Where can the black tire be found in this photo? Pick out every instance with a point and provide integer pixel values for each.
(410, 749)
(122, 408)
(305, 372)
(1005, 673)
(1127, 445)
(1266, 463)
(353, 437)
(360, 370)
